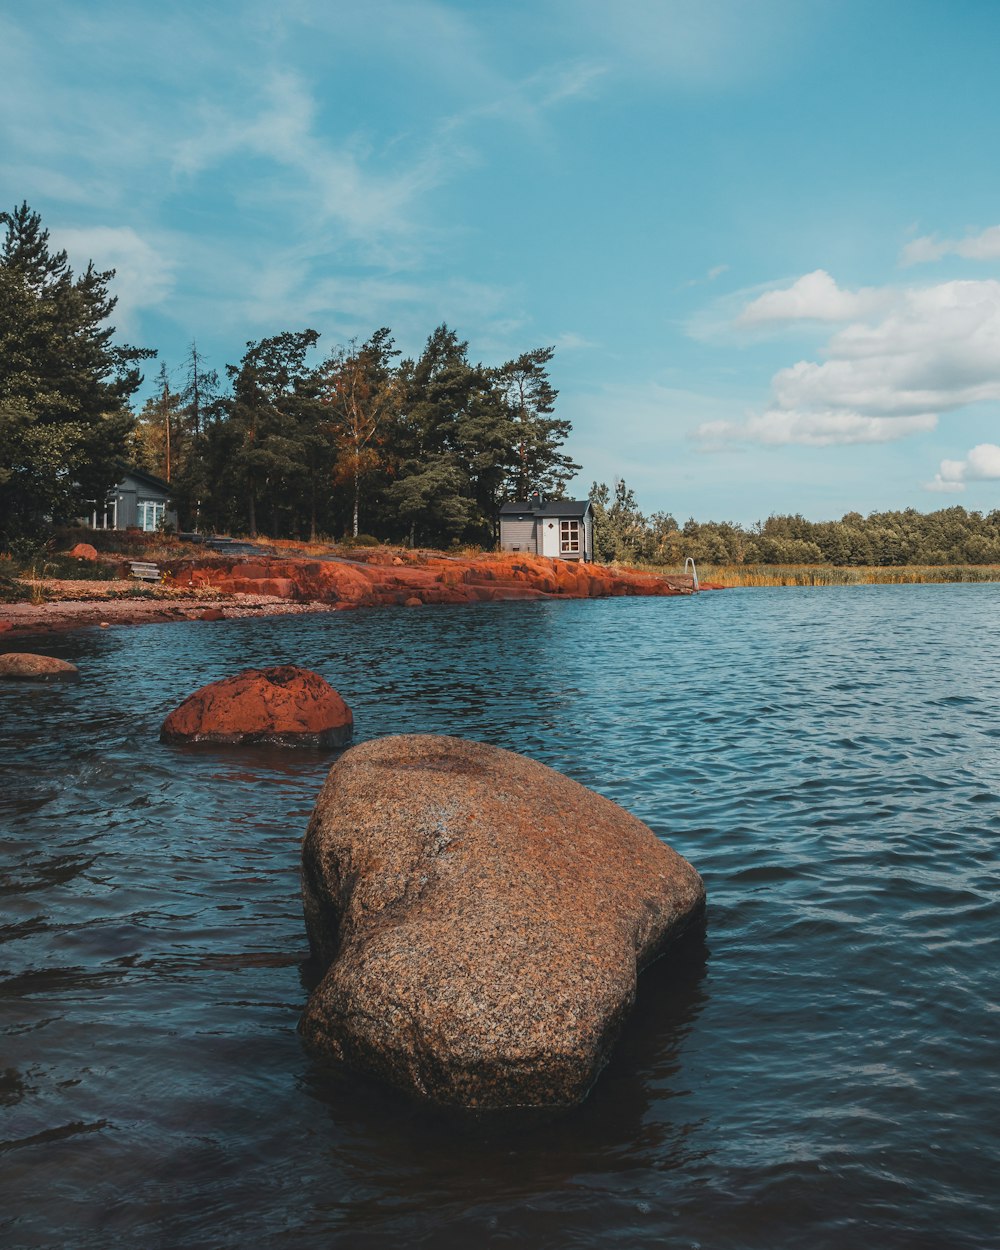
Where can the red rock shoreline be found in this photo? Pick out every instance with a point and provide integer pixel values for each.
(226, 587)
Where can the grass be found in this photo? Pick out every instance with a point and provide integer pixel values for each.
(833, 575)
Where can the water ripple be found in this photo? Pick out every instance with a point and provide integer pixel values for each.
(821, 1071)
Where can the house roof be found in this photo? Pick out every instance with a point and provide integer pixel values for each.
(145, 479)
(550, 507)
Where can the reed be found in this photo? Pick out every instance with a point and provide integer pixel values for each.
(833, 575)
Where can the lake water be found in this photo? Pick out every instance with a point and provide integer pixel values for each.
(821, 1071)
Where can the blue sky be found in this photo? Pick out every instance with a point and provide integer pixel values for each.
(763, 235)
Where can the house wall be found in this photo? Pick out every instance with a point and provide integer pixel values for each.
(541, 536)
(124, 506)
(517, 534)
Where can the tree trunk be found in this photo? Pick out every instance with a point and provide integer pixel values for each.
(357, 493)
(252, 513)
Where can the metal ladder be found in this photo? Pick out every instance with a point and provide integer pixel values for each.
(694, 572)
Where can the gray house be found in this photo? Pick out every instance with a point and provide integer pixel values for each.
(563, 528)
(138, 501)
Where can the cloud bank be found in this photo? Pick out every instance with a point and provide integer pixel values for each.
(900, 358)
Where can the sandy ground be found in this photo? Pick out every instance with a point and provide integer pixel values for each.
(84, 604)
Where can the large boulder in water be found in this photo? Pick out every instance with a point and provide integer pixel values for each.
(481, 919)
(25, 665)
(283, 706)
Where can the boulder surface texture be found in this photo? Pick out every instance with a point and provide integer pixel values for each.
(283, 706)
(16, 665)
(481, 919)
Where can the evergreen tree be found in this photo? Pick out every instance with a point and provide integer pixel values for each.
(259, 434)
(64, 385)
(536, 461)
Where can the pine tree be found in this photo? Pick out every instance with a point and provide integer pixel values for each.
(64, 384)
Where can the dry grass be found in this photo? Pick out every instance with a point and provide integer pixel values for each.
(831, 575)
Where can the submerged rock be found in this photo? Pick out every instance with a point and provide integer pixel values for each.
(18, 665)
(283, 706)
(482, 920)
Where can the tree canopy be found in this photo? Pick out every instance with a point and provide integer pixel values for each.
(65, 419)
(948, 536)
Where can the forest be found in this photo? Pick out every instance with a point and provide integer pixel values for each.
(289, 442)
(358, 443)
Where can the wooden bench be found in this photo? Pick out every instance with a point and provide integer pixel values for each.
(145, 571)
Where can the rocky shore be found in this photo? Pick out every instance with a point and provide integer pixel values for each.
(222, 587)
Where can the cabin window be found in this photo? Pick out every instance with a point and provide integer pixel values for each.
(569, 538)
(150, 514)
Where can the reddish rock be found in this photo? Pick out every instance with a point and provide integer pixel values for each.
(283, 706)
(24, 665)
(84, 551)
(413, 602)
(482, 920)
(213, 614)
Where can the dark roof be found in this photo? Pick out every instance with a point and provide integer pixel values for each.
(145, 479)
(551, 507)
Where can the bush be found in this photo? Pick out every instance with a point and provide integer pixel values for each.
(362, 540)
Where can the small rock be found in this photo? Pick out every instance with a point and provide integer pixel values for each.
(18, 665)
(213, 614)
(84, 551)
(413, 602)
(281, 706)
(482, 920)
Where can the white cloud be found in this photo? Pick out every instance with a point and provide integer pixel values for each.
(813, 297)
(695, 43)
(570, 341)
(144, 273)
(983, 246)
(778, 427)
(934, 349)
(982, 464)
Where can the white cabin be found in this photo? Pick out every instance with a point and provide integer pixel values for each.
(561, 528)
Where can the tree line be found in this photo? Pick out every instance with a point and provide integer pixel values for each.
(948, 536)
(421, 451)
(288, 442)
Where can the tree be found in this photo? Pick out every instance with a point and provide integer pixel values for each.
(620, 529)
(159, 430)
(360, 391)
(198, 398)
(260, 426)
(64, 384)
(536, 462)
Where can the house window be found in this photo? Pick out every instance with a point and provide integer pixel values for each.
(150, 514)
(569, 538)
